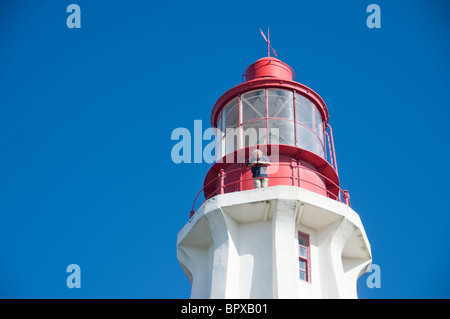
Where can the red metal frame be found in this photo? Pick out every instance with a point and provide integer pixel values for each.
(267, 118)
(240, 121)
(267, 83)
(295, 116)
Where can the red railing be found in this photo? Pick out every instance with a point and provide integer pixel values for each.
(221, 185)
(331, 151)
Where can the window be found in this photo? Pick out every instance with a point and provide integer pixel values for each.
(303, 257)
(254, 132)
(309, 125)
(272, 115)
(305, 138)
(231, 114)
(281, 116)
(281, 132)
(280, 104)
(253, 105)
(305, 111)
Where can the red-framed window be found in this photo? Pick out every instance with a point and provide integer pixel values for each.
(296, 119)
(304, 259)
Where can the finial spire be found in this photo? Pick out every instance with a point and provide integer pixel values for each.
(268, 42)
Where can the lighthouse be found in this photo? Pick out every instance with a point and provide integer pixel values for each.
(298, 237)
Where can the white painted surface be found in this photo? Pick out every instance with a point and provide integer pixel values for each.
(244, 245)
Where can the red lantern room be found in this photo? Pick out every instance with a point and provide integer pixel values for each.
(286, 120)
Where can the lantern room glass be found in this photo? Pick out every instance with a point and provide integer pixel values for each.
(271, 115)
(253, 105)
(280, 104)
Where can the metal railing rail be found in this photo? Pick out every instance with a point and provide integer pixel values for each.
(220, 189)
(332, 151)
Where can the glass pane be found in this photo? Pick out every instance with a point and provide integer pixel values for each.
(280, 104)
(302, 275)
(231, 114)
(304, 111)
(219, 148)
(254, 132)
(302, 251)
(219, 122)
(253, 105)
(231, 139)
(281, 132)
(219, 135)
(320, 148)
(302, 265)
(306, 138)
(302, 240)
(319, 126)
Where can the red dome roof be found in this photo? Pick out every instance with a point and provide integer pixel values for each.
(269, 67)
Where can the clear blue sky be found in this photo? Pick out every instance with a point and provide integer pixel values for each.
(86, 117)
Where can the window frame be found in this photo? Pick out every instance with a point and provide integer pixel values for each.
(315, 132)
(307, 260)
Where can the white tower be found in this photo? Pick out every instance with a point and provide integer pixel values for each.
(295, 238)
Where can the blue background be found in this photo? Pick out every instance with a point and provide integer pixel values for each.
(86, 116)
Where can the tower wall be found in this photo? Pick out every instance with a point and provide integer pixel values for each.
(245, 245)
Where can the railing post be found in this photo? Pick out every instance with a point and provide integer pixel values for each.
(347, 198)
(221, 181)
(293, 166)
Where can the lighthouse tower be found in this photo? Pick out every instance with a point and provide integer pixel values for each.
(296, 238)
